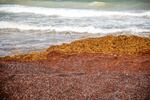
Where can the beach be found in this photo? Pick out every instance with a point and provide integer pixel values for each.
(74, 50)
(106, 73)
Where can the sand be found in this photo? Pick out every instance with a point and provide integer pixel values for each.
(104, 68)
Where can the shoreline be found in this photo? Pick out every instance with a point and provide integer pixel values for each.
(113, 67)
(109, 44)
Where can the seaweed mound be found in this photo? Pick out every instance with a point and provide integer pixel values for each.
(121, 44)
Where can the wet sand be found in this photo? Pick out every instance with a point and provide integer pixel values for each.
(106, 68)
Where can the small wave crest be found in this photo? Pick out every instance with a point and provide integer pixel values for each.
(64, 12)
(89, 29)
(97, 4)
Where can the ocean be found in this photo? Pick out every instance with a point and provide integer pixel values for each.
(33, 25)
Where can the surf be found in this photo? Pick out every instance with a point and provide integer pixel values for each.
(79, 29)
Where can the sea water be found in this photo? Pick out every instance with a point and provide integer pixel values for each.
(32, 25)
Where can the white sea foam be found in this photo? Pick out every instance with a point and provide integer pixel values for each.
(66, 12)
(89, 29)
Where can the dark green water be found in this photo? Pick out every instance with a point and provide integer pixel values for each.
(96, 4)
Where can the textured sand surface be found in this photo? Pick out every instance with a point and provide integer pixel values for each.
(79, 75)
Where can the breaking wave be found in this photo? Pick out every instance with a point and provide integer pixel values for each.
(64, 12)
(89, 29)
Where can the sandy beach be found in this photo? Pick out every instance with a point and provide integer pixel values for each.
(104, 68)
(74, 49)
